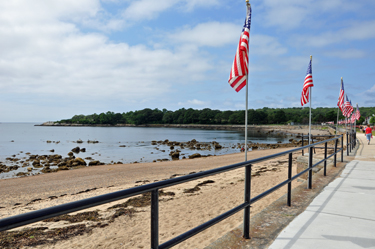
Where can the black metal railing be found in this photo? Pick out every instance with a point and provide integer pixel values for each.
(39, 215)
(351, 141)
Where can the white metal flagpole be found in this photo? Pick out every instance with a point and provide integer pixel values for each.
(247, 93)
(346, 118)
(248, 6)
(338, 110)
(310, 108)
(247, 190)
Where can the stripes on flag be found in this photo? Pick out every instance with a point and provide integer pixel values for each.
(340, 102)
(239, 71)
(351, 109)
(348, 108)
(306, 85)
(357, 113)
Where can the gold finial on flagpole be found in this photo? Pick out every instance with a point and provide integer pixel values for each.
(341, 78)
(310, 57)
(247, 3)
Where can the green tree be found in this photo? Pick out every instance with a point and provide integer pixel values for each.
(330, 116)
(280, 116)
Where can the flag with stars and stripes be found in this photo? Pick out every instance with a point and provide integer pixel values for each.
(340, 103)
(306, 85)
(239, 71)
(357, 113)
(347, 110)
(351, 109)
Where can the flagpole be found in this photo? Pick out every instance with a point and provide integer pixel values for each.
(247, 88)
(338, 111)
(247, 187)
(247, 93)
(346, 118)
(310, 108)
(337, 123)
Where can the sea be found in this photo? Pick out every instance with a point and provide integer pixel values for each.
(115, 144)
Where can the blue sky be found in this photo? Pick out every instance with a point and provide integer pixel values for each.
(59, 58)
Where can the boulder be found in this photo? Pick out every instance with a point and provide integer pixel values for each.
(195, 155)
(217, 146)
(175, 155)
(94, 163)
(75, 150)
(80, 161)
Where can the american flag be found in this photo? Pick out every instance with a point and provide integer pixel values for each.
(308, 83)
(353, 118)
(239, 71)
(351, 109)
(346, 107)
(357, 113)
(340, 103)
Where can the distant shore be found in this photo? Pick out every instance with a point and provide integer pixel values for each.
(295, 129)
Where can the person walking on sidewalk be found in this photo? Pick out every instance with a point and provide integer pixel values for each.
(368, 132)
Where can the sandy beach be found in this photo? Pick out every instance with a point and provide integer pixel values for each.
(126, 224)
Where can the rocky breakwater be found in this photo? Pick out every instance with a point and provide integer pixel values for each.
(176, 148)
(36, 164)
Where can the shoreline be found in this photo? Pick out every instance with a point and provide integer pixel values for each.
(29, 164)
(191, 126)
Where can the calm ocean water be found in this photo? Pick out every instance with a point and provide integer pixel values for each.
(20, 138)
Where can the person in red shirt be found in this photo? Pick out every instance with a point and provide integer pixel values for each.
(368, 132)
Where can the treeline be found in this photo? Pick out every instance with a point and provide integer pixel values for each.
(207, 116)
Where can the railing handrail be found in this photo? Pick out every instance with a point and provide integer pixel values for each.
(42, 214)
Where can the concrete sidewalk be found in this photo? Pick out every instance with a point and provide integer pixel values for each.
(343, 215)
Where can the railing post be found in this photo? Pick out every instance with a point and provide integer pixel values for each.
(155, 219)
(342, 147)
(325, 157)
(290, 177)
(310, 167)
(302, 146)
(312, 141)
(335, 157)
(246, 215)
(347, 144)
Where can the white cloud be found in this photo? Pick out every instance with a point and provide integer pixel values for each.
(292, 14)
(21, 11)
(191, 4)
(285, 15)
(147, 9)
(50, 57)
(212, 34)
(358, 31)
(347, 54)
(150, 9)
(195, 102)
(266, 45)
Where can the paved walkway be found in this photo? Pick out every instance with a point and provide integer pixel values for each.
(343, 215)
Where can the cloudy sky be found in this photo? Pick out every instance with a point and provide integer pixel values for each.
(59, 58)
